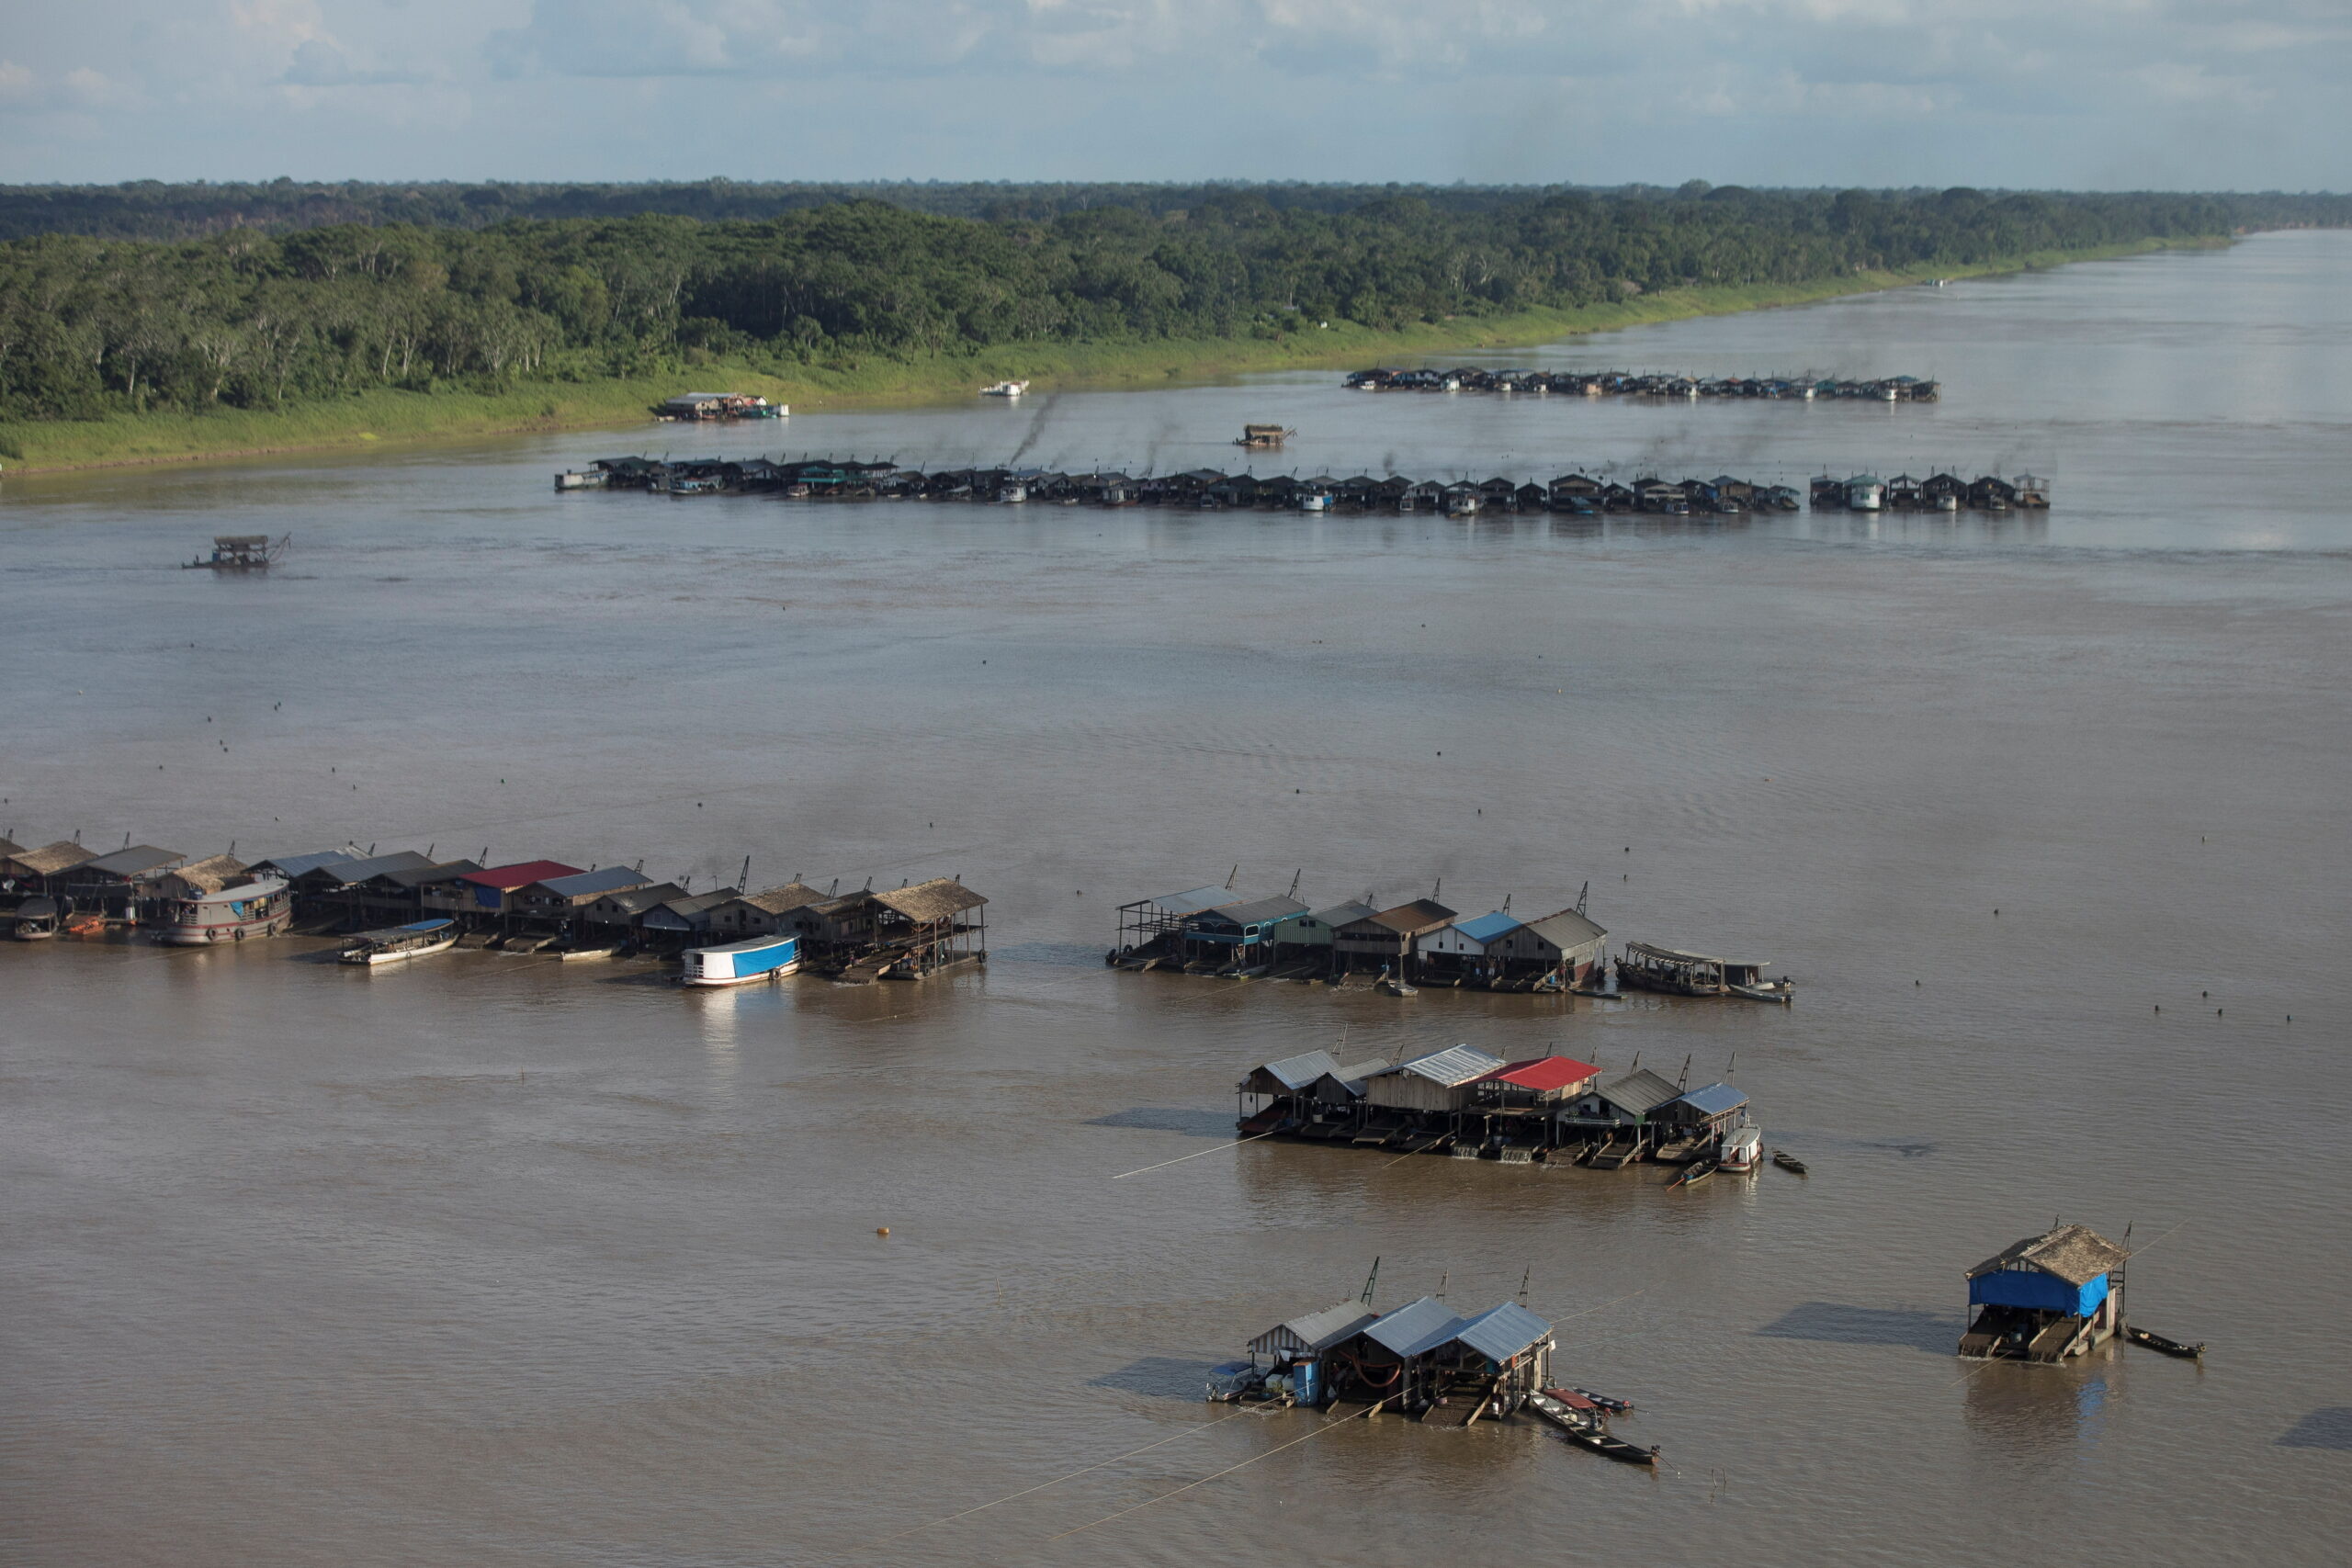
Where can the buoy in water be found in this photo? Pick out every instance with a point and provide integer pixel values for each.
(881, 1230)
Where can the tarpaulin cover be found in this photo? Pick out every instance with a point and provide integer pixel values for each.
(2032, 1288)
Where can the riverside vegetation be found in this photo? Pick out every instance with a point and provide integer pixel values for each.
(117, 348)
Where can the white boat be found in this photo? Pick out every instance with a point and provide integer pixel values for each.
(394, 943)
(259, 909)
(737, 962)
(1004, 388)
(1315, 500)
(1743, 1149)
(1865, 492)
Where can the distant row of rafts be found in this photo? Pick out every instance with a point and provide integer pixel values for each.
(1576, 493)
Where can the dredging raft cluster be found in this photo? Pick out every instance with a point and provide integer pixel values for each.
(408, 904)
(1574, 493)
(1644, 384)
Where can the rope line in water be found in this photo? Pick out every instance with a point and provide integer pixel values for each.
(1196, 1153)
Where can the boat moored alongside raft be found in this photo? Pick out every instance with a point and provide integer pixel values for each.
(1645, 967)
(742, 963)
(395, 944)
(259, 909)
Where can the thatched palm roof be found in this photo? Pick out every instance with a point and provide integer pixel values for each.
(2076, 1253)
(782, 900)
(938, 900)
(213, 873)
(51, 858)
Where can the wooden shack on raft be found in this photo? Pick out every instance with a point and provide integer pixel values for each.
(2047, 1297)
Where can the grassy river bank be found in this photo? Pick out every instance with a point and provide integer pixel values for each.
(386, 416)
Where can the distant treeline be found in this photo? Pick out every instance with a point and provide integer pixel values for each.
(419, 296)
(152, 210)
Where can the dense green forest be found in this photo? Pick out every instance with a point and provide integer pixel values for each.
(246, 318)
(150, 210)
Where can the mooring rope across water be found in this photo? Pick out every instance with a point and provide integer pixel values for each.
(1196, 1153)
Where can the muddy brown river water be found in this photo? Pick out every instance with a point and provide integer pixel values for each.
(489, 1263)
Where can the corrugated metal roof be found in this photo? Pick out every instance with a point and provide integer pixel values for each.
(1257, 911)
(636, 900)
(1641, 1091)
(1486, 928)
(136, 861)
(291, 866)
(1545, 1073)
(1352, 1074)
(1317, 1330)
(695, 903)
(1415, 1327)
(379, 865)
(419, 877)
(1500, 1333)
(1193, 900)
(609, 879)
(1453, 1067)
(1411, 919)
(1714, 1099)
(1569, 928)
(1297, 1072)
(1339, 915)
(522, 874)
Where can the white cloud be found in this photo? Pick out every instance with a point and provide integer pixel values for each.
(1982, 92)
(80, 87)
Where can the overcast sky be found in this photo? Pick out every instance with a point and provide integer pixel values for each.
(2177, 94)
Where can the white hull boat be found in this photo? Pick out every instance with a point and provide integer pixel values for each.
(397, 944)
(742, 963)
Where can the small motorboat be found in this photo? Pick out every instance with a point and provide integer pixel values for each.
(36, 919)
(1397, 986)
(605, 950)
(1580, 1421)
(1236, 1380)
(1788, 1161)
(1004, 389)
(1746, 979)
(1614, 1406)
(2163, 1345)
(1697, 1171)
